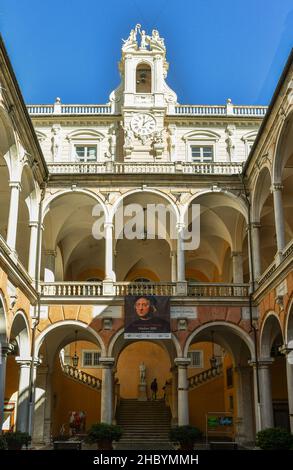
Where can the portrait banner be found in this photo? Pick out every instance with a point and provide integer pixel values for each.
(147, 317)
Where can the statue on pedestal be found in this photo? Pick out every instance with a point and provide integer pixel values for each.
(142, 370)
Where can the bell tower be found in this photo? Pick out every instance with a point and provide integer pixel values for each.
(143, 97)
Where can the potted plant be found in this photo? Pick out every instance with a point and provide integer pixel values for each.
(104, 434)
(3, 443)
(274, 439)
(185, 435)
(15, 440)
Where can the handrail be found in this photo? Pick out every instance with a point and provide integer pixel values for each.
(204, 376)
(81, 377)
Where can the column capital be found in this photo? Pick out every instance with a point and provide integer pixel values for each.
(182, 361)
(6, 348)
(23, 361)
(263, 363)
(15, 184)
(107, 362)
(33, 223)
(285, 349)
(50, 253)
(236, 253)
(255, 225)
(109, 225)
(276, 187)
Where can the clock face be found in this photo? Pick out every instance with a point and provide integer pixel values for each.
(143, 124)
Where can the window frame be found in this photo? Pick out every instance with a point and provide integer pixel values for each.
(85, 138)
(200, 139)
(92, 351)
(201, 146)
(85, 146)
(200, 352)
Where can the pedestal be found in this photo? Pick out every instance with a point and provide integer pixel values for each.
(142, 392)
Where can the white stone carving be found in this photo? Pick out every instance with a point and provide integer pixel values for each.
(56, 141)
(229, 140)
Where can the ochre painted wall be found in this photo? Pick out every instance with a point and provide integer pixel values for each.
(157, 365)
(206, 397)
(68, 395)
(279, 379)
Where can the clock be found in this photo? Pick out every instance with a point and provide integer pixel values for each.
(143, 124)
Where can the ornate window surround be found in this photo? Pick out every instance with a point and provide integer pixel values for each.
(84, 137)
(248, 140)
(199, 139)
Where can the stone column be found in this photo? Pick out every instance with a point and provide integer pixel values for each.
(42, 413)
(50, 258)
(109, 251)
(245, 431)
(107, 389)
(288, 352)
(279, 218)
(237, 264)
(183, 405)
(265, 389)
(255, 228)
(173, 266)
(33, 249)
(180, 256)
(4, 350)
(13, 214)
(23, 393)
(174, 395)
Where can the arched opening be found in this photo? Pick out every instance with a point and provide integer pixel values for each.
(143, 78)
(264, 219)
(144, 414)
(143, 249)
(18, 375)
(70, 252)
(68, 393)
(283, 174)
(271, 342)
(6, 163)
(222, 386)
(220, 256)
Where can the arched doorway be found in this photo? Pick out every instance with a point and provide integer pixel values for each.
(62, 386)
(226, 381)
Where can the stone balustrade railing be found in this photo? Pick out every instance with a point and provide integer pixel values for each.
(230, 110)
(81, 377)
(181, 110)
(288, 250)
(72, 109)
(71, 289)
(95, 289)
(145, 288)
(196, 289)
(215, 168)
(204, 376)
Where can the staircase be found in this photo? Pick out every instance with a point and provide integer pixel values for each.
(145, 424)
(205, 376)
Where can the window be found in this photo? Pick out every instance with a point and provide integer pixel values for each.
(202, 154)
(143, 79)
(90, 358)
(229, 377)
(196, 358)
(86, 153)
(141, 279)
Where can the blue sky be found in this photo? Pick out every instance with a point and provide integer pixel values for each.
(217, 49)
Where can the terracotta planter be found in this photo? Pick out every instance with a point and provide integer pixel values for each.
(105, 444)
(186, 445)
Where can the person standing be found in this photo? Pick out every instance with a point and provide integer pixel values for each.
(154, 389)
